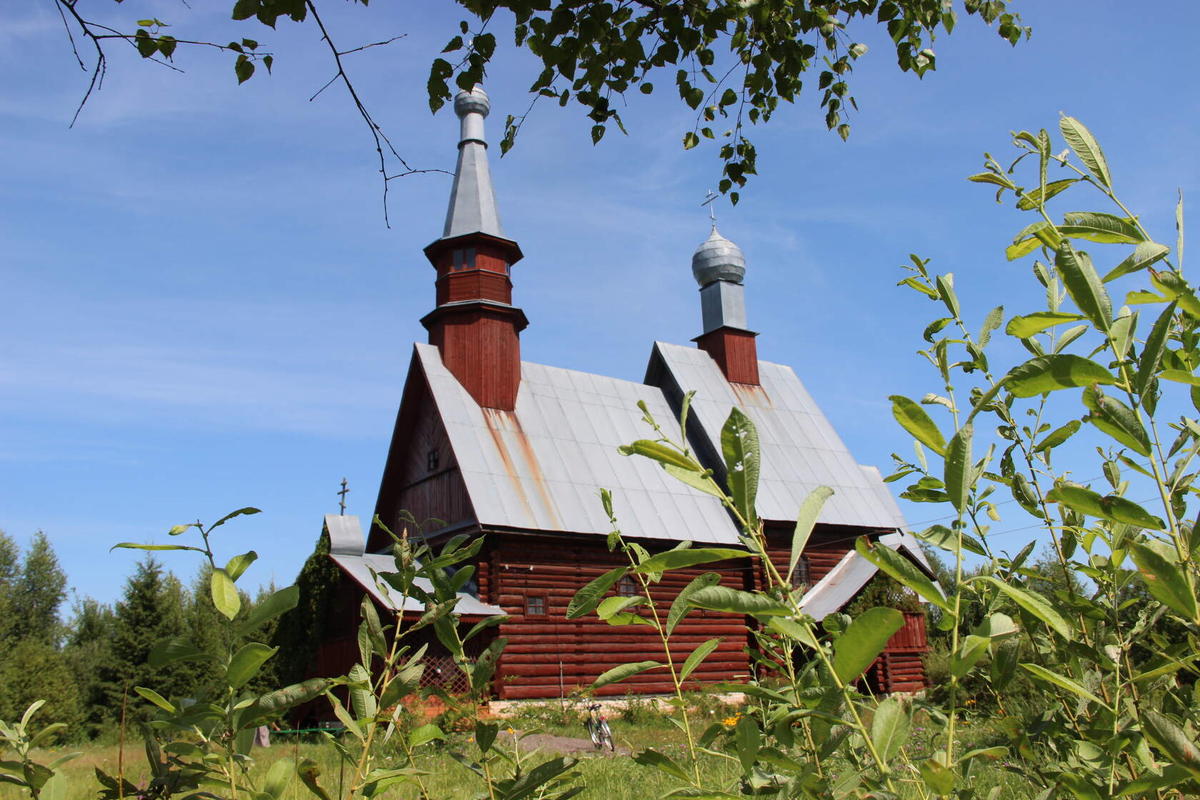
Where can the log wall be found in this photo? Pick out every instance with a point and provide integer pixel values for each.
(548, 655)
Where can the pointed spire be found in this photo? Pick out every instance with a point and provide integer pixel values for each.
(472, 202)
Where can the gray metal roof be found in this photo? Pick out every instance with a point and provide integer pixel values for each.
(345, 534)
(850, 574)
(472, 202)
(360, 568)
(800, 449)
(542, 465)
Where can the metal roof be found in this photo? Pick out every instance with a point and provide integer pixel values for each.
(360, 568)
(850, 574)
(541, 466)
(800, 449)
(346, 544)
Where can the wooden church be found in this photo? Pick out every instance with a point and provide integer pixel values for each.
(517, 452)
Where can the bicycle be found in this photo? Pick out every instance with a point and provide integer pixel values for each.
(597, 728)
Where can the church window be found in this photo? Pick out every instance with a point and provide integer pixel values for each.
(431, 460)
(802, 576)
(535, 605)
(627, 587)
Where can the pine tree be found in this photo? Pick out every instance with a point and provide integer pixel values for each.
(40, 592)
(10, 573)
(88, 650)
(35, 670)
(151, 609)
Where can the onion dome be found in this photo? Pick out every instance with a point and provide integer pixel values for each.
(718, 259)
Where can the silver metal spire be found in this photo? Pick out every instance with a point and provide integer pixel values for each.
(719, 267)
(472, 201)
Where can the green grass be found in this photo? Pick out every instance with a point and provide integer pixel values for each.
(604, 776)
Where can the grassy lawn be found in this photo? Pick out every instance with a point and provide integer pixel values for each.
(605, 776)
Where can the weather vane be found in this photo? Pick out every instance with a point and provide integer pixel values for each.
(712, 215)
(343, 493)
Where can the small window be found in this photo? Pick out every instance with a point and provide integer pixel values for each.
(458, 260)
(535, 605)
(802, 577)
(431, 460)
(507, 268)
(627, 587)
(470, 263)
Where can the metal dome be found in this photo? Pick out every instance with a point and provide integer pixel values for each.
(475, 101)
(718, 259)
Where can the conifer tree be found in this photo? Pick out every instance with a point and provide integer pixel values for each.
(88, 651)
(39, 593)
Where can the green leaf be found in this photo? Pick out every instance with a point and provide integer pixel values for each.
(1084, 285)
(889, 728)
(246, 663)
(864, 640)
(810, 510)
(153, 547)
(1100, 228)
(290, 696)
(946, 539)
(1034, 603)
(739, 444)
(1112, 507)
(1058, 436)
(238, 564)
(587, 598)
(175, 649)
(485, 665)
(657, 451)
(624, 671)
(938, 776)
(309, 771)
(690, 140)
(278, 778)
(1148, 782)
(157, 699)
(1117, 420)
(1145, 254)
(1028, 325)
(697, 656)
(945, 287)
(959, 468)
(278, 603)
(903, 570)
(1064, 682)
(913, 419)
(1165, 580)
(653, 758)
(697, 480)
(1086, 148)
(973, 649)
(991, 322)
(681, 559)
(424, 735)
(1036, 197)
(793, 630)
(1169, 738)
(682, 605)
(612, 606)
(1179, 376)
(735, 601)
(243, 68)
(746, 740)
(224, 594)
(1175, 287)
(241, 512)
(1152, 353)
(1050, 373)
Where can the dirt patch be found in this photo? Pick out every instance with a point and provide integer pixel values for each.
(563, 745)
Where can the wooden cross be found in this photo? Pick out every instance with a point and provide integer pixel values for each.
(343, 493)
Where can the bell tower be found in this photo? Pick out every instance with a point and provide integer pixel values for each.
(719, 267)
(475, 326)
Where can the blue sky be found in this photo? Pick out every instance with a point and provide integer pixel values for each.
(202, 307)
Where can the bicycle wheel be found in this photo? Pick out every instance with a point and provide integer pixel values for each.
(594, 732)
(606, 738)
